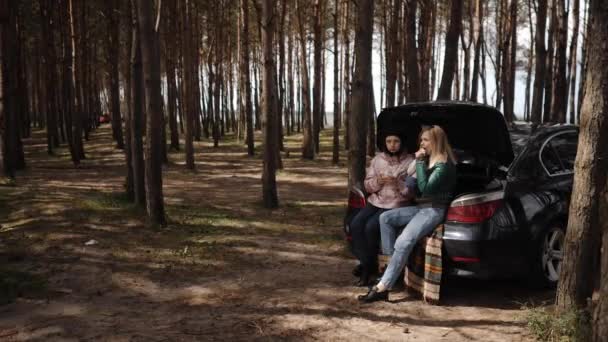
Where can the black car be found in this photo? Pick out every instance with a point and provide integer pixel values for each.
(510, 211)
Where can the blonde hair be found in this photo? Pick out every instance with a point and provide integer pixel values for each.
(440, 142)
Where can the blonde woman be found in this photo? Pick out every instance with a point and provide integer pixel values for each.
(436, 178)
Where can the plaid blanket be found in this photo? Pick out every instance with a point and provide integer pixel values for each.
(424, 267)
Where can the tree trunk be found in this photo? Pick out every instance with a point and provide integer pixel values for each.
(600, 314)
(113, 43)
(451, 51)
(49, 75)
(371, 129)
(75, 127)
(189, 96)
(246, 104)
(466, 47)
(195, 37)
(281, 114)
(529, 65)
(129, 179)
(413, 75)
(150, 52)
(560, 87)
(586, 220)
(170, 60)
(583, 65)
(361, 94)
(217, 58)
(8, 88)
(392, 52)
(308, 144)
(426, 39)
(547, 117)
(269, 186)
(290, 82)
(478, 40)
(316, 87)
(336, 129)
(572, 64)
(499, 73)
(539, 64)
(508, 62)
(347, 75)
(137, 100)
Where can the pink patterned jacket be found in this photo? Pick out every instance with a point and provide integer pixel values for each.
(392, 195)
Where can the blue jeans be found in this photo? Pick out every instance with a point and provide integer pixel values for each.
(418, 222)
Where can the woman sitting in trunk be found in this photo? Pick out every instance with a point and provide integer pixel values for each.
(385, 182)
(436, 179)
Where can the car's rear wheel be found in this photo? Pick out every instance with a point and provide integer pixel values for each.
(550, 254)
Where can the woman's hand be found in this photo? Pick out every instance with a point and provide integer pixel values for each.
(386, 180)
(421, 153)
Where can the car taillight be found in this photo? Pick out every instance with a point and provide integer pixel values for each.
(356, 199)
(473, 213)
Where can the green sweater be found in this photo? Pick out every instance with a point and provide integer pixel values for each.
(436, 184)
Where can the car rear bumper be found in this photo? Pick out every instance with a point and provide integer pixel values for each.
(472, 251)
(462, 245)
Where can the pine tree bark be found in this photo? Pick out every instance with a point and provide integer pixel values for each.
(317, 23)
(129, 180)
(308, 143)
(414, 85)
(245, 80)
(392, 51)
(76, 70)
(189, 96)
(75, 124)
(547, 117)
(583, 65)
(281, 114)
(572, 63)
(170, 61)
(560, 87)
(195, 77)
(336, 129)
(509, 47)
(269, 186)
(137, 108)
(362, 85)
(290, 82)
(587, 215)
(478, 42)
(426, 39)
(529, 66)
(347, 75)
(451, 51)
(150, 51)
(113, 44)
(8, 88)
(539, 64)
(48, 103)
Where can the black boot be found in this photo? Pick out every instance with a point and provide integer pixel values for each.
(357, 270)
(373, 295)
(368, 278)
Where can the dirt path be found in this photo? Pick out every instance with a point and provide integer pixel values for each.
(223, 269)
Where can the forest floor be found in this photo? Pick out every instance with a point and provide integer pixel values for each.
(224, 268)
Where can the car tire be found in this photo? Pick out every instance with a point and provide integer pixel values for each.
(549, 254)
